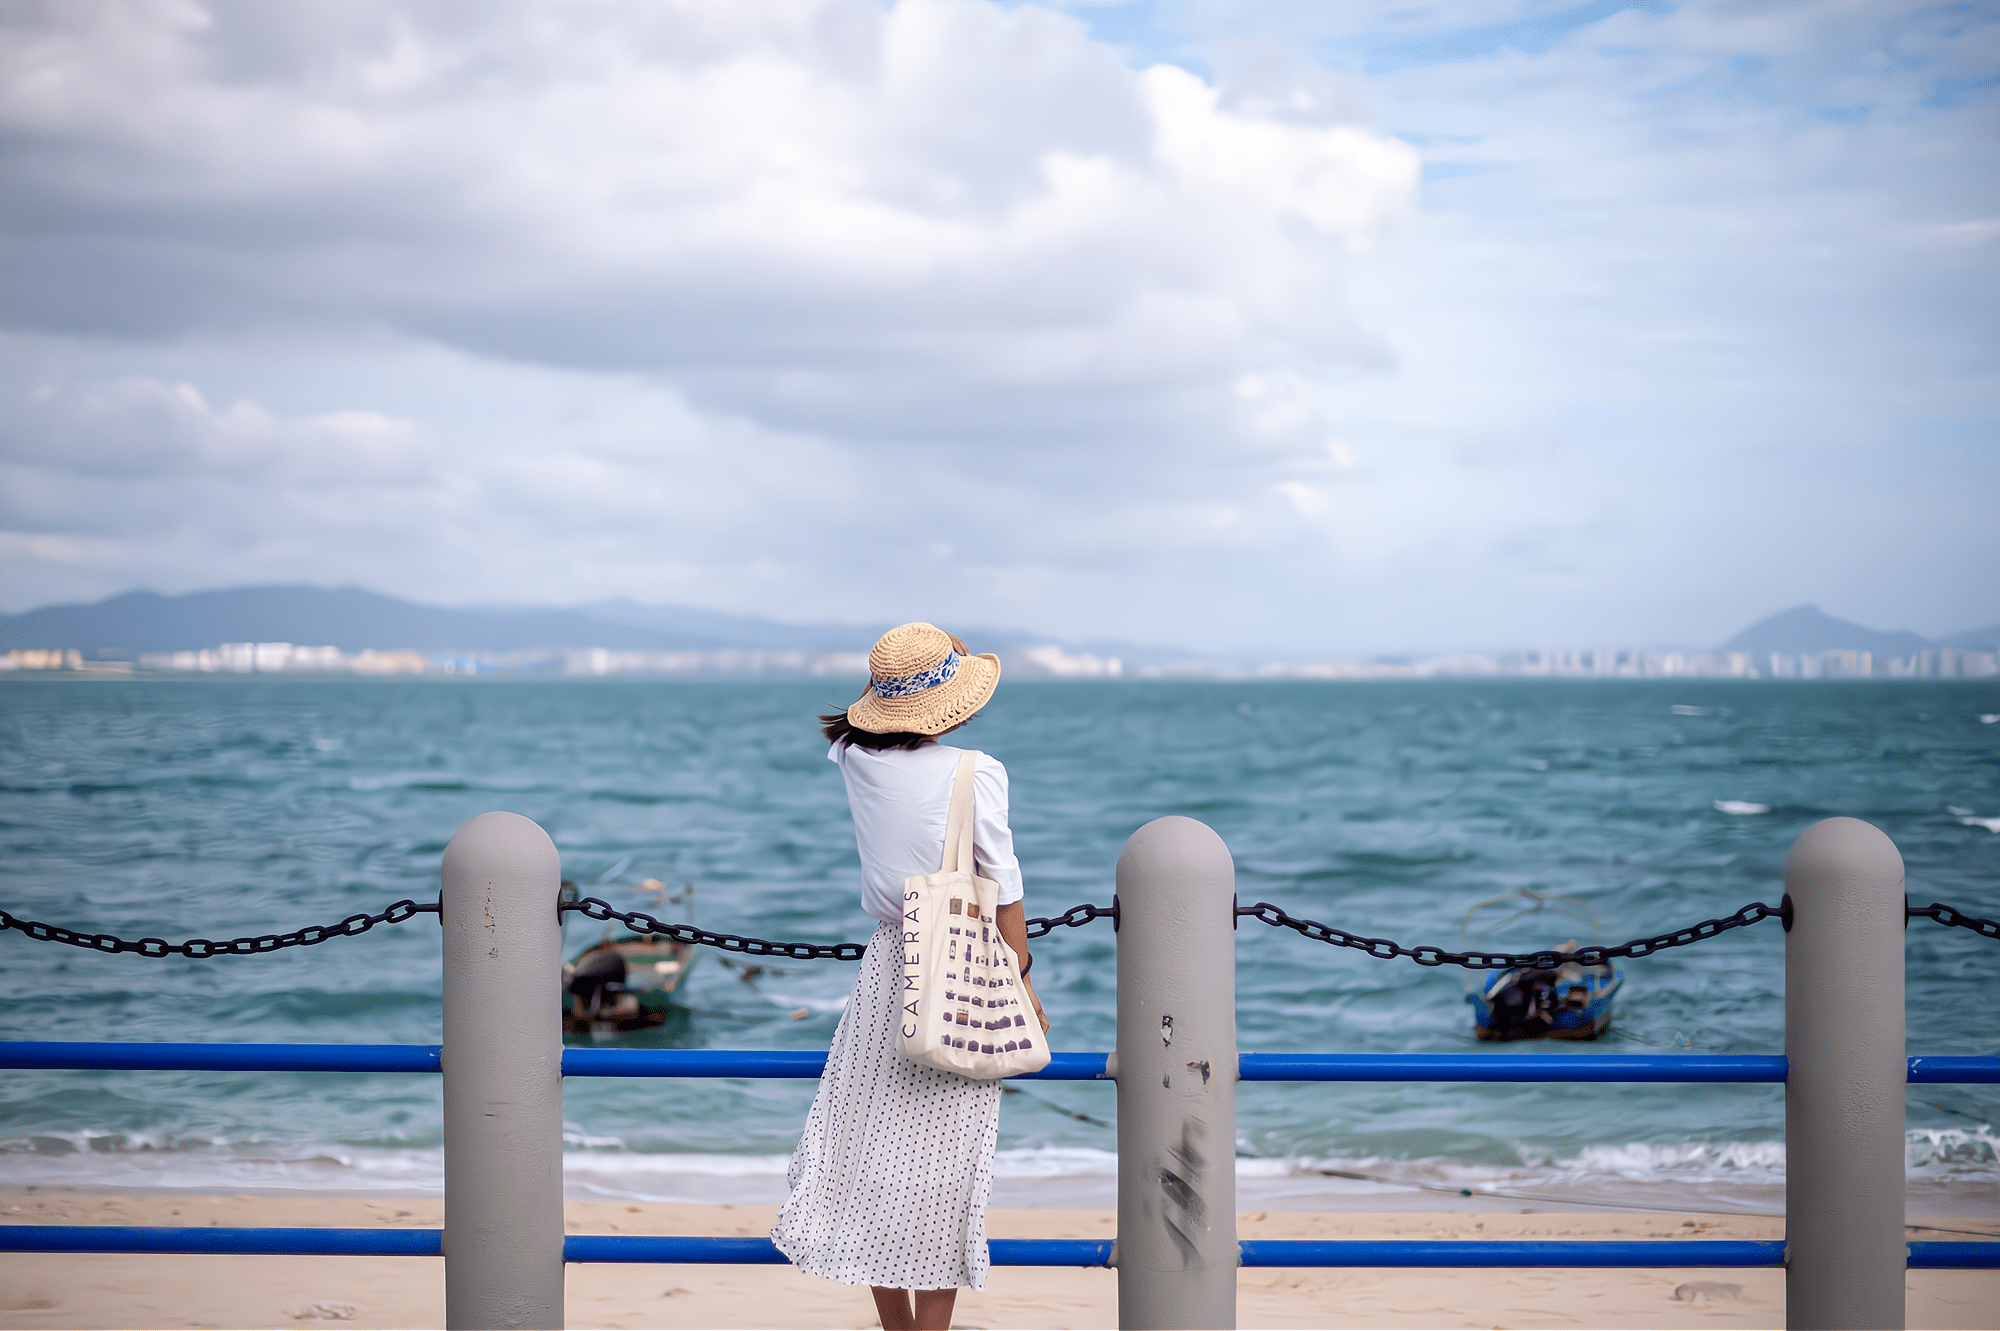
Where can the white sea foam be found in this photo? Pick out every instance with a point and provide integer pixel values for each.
(134, 1162)
(576, 1139)
(1741, 808)
(1970, 1152)
(601, 1167)
(1691, 1163)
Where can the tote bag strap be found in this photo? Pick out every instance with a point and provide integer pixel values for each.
(958, 824)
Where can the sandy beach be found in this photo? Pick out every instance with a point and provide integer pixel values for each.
(132, 1291)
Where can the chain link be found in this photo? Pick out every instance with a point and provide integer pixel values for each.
(639, 922)
(310, 936)
(1384, 949)
(1076, 916)
(1951, 916)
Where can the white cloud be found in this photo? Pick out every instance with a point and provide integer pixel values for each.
(1980, 231)
(568, 486)
(143, 429)
(1688, 294)
(826, 214)
(831, 309)
(1345, 181)
(928, 262)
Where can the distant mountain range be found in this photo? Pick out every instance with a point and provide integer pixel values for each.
(1806, 630)
(353, 620)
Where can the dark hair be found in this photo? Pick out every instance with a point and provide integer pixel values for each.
(834, 725)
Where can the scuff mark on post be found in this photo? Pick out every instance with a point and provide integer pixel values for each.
(1167, 1030)
(1186, 1209)
(1201, 1067)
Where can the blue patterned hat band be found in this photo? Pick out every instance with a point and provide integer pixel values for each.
(922, 681)
(917, 683)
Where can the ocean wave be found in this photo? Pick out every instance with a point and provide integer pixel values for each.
(124, 1161)
(576, 1139)
(1740, 808)
(1953, 1151)
(247, 825)
(601, 1166)
(441, 781)
(1701, 1162)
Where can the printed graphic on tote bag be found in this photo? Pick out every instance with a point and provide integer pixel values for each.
(981, 993)
(962, 998)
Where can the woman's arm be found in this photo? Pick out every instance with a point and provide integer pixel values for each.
(1012, 919)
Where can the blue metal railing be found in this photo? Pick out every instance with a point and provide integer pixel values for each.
(674, 1248)
(807, 1063)
(764, 1063)
(1516, 1067)
(221, 1057)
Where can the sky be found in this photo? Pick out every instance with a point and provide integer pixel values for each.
(1293, 329)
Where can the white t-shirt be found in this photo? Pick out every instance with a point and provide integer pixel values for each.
(901, 798)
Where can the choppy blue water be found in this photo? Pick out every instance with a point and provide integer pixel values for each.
(245, 806)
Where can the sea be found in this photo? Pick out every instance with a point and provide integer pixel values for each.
(222, 808)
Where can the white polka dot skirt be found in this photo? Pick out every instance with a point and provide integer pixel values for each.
(890, 1180)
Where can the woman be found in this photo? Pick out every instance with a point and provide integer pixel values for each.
(890, 1179)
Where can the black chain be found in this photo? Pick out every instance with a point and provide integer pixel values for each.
(1072, 918)
(309, 936)
(1940, 913)
(641, 923)
(1385, 950)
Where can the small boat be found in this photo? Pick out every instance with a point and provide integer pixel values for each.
(622, 984)
(1567, 1002)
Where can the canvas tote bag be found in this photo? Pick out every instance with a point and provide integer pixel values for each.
(965, 1005)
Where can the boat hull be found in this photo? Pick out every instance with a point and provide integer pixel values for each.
(623, 984)
(1571, 1002)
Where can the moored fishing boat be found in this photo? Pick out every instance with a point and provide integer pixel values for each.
(1567, 1002)
(625, 983)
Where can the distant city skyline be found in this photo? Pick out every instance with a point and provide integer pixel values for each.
(292, 630)
(1286, 331)
(1045, 662)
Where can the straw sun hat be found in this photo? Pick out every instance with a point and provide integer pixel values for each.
(922, 681)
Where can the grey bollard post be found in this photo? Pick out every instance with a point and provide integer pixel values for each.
(1844, 1092)
(503, 1220)
(1176, 1069)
